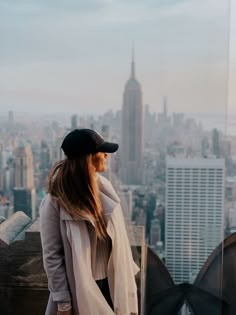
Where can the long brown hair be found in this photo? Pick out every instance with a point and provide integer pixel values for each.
(73, 183)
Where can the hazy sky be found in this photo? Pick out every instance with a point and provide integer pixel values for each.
(74, 55)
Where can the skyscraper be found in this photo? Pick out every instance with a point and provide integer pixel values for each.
(132, 131)
(74, 123)
(216, 142)
(24, 169)
(24, 191)
(194, 214)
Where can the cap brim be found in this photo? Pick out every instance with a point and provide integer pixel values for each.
(108, 147)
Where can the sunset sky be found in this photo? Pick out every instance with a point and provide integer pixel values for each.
(74, 55)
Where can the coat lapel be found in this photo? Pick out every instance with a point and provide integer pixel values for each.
(108, 196)
(65, 216)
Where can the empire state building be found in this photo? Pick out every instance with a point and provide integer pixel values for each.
(132, 131)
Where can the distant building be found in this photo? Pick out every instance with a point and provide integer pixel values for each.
(231, 188)
(178, 120)
(24, 168)
(232, 216)
(216, 143)
(44, 156)
(205, 147)
(25, 200)
(176, 149)
(45, 165)
(155, 232)
(24, 190)
(141, 216)
(74, 122)
(106, 132)
(163, 119)
(8, 178)
(56, 153)
(149, 127)
(194, 213)
(132, 132)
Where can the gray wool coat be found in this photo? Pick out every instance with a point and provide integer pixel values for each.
(57, 255)
(57, 252)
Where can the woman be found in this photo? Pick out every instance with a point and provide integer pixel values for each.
(86, 252)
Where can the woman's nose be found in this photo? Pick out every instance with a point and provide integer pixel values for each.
(105, 155)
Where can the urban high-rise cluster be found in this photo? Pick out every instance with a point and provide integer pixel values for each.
(175, 178)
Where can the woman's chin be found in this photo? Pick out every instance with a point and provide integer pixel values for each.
(102, 169)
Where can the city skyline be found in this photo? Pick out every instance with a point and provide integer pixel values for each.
(74, 56)
(193, 196)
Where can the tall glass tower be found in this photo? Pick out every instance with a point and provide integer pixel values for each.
(194, 214)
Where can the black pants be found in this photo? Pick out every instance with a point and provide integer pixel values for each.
(104, 287)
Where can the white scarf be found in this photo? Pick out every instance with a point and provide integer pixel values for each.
(121, 267)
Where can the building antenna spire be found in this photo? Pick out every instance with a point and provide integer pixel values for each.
(133, 62)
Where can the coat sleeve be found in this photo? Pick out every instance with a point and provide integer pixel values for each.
(53, 251)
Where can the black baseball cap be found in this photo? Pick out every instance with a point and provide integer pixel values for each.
(85, 141)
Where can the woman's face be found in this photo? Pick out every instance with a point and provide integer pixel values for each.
(99, 161)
